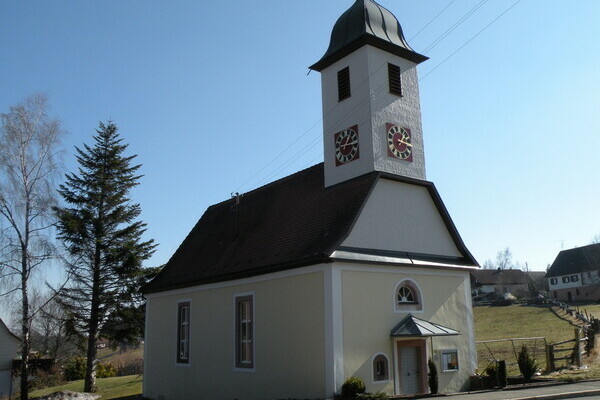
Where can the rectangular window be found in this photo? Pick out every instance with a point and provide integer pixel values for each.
(565, 279)
(244, 332)
(449, 360)
(574, 278)
(183, 332)
(553, 281)
(395, 80)
(344, 84)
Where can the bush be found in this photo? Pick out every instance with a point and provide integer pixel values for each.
(492, 371)
(353, 387)
(433, 377)
(527, 364)
(502, 377)
(106, 371)
(42, 379)
(75, 369)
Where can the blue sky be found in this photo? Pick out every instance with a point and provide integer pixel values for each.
(209, 93)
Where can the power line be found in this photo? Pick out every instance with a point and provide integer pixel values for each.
(455, 25)
(431, 20)
(470, 40)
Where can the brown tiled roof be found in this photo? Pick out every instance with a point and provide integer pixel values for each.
(289, 223)
(579, 259)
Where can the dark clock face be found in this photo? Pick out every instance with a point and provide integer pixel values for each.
(399, 142)
(346, 145)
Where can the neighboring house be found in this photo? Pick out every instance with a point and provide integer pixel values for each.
(9, 345)
(575, 274)
(538, 278)
(352, 267)
(501, 282)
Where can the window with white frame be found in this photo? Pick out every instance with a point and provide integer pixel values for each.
(244, 325)
(553, 281)
(449, 360)
(183, 332)
(407, 296)
(565, 279)
(380, 368)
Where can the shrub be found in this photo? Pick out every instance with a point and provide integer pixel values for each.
(106, 371)
(502, 377)
(353, 387)
(75, 369)
(527, 364)
(433, 377)
(492, 371)
(42, 379)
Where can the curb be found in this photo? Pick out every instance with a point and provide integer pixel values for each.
(565, 395)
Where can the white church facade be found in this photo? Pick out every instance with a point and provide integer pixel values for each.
(352, 267)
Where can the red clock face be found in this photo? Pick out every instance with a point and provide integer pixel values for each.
(346, 145)
(399, 142)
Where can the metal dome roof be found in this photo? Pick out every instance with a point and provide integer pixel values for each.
(366, 22)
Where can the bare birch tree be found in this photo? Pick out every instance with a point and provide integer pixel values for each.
(29, 162)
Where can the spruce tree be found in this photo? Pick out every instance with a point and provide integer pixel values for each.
(100, 230)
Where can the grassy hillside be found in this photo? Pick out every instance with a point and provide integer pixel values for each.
(522, 321)
(108, 388)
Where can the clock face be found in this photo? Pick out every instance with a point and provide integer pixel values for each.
(399, 142)
(346, 145)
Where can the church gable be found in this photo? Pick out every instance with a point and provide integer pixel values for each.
(406, 217)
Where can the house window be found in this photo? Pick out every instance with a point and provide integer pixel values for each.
(553, 281)
(574, 278)
(449, 360)
(183, 332)
(407, 296)
(395, 81)
(244, 331)
(380, 368)
(344, 84)
(565, 279)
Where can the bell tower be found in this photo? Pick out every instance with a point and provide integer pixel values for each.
(371, 106)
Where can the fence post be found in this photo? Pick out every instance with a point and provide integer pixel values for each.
(577, 347)
(550, 358)
(591, 339)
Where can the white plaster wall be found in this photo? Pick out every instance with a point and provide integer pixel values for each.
(289, 340)
(368, 294)
(355, 110)
(9, 346)
(401, 217)
(403, 111)
(370, 107)
(583, 280)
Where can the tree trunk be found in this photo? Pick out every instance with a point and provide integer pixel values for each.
(90, 371)
(24, 329)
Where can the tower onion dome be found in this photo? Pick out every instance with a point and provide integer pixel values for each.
(366, 22)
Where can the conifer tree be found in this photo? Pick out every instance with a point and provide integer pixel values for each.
(102, 236)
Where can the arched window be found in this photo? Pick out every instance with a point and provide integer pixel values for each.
(380, 368)
(407, 296)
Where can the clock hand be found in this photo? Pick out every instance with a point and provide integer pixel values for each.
(348, 144)
(403, 142)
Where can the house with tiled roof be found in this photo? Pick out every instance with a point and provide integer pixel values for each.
(352, 267)
(9, 345)
(501, 282)
(575, 274)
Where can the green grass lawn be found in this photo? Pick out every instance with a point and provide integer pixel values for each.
(108, 388)
(517, 321)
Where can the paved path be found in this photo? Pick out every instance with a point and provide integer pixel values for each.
(566, 391)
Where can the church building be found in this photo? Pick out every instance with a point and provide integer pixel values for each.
(352, 267)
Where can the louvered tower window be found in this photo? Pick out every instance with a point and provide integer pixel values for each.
(394, 79)
(344, 84)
